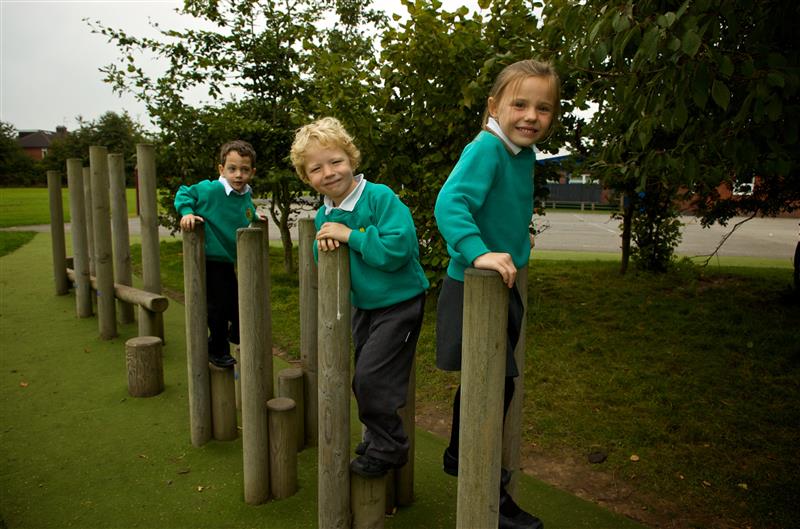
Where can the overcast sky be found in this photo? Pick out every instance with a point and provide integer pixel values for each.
(49, 58)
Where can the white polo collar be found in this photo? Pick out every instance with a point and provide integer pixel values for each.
(349, 203)
(229, 189)
(494, 126)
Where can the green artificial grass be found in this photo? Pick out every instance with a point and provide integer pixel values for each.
(77, 451)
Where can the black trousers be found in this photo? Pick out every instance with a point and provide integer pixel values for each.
(385, 340)
(222, 297)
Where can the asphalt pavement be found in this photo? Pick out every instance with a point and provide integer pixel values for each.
(598, 232)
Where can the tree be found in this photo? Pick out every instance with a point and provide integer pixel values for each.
(16, 167)
(254, 65)
(691, 95)
(119, 133)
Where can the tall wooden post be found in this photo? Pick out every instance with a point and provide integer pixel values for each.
(333, 346)
(308, 325)
(254, 371)
(123, 272)
(104, 265)
(87, 205)
(404, 477)
(151, 258)
(483, 367)
(194, 288)
(512, 430)
(57, 237)
(80, 245)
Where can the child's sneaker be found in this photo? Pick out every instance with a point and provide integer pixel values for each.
(225, 360)
(371, 467)
(361, 448)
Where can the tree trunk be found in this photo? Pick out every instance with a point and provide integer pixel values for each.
(627, 222)
(797, 271)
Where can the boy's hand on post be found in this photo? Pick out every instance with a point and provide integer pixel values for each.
(331, 234)
(499, 262)
(188, 221)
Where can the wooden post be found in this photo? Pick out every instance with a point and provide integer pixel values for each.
(368, 496)
(57, 237)
(151, 258)
(145, 366)
(404, 476)
(194, 288)
(89, 212)
(512, 430)
(80, 248)
(308, 325)
(254, 371)
(290, 385)
(104, 265)
(282, 447)
(123, 272)
(333, 347)
(483, 367)
(265, 321)
(223, 403)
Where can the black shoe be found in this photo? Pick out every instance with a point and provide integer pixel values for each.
(449, 463)
(371, 467)
(361, 448)
(512, 517)
(224, 360)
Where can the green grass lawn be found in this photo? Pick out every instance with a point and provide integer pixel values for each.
(25, 206)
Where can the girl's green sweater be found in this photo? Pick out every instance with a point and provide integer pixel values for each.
(384, 250)
(223, 215)
(486, 204)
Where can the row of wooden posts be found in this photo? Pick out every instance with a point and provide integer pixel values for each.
(318, 412)
(100, 268)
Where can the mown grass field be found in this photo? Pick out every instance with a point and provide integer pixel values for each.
(25, 206)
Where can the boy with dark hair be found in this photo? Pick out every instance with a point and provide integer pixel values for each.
(223, 206)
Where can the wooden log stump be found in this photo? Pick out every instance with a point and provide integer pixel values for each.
(145, 368)
(368, 501)
(290, 385)
(223, 403)
(282, 446)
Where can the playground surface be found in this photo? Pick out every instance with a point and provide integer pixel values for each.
(78, 451)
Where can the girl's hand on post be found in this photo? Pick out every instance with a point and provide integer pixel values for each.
(499, 262)
(327, 245)
(188, 221)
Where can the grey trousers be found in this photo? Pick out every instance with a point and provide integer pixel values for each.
(385, 341)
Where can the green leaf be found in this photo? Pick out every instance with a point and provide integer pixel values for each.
(680, 114)
(775, 79)
(726, 66)
(721, 94)
(691, 43)
(700, 87)
(484, 4)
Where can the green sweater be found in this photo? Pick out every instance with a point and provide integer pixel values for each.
(486, 204)
(384, 250)
(223, 215)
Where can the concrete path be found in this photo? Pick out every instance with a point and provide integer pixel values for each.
(597, 232)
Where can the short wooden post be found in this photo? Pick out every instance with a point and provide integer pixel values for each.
(255, 339)
(194, 288)
(368, 497)
(282, 447)
(512, 430)
(483, 367)
(57, 237)
(333, 347)
(149, 322)
(308, 325)
(290, 385)
(148, 216)
(404, 476)
(145, 366)
(123, 271)
(104, 265)
(80, 247)
(223, 403)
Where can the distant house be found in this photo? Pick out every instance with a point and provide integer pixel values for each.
(36, 142)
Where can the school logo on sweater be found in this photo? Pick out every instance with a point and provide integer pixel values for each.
(249, 214)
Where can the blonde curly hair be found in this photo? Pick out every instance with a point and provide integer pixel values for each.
(326, 132)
